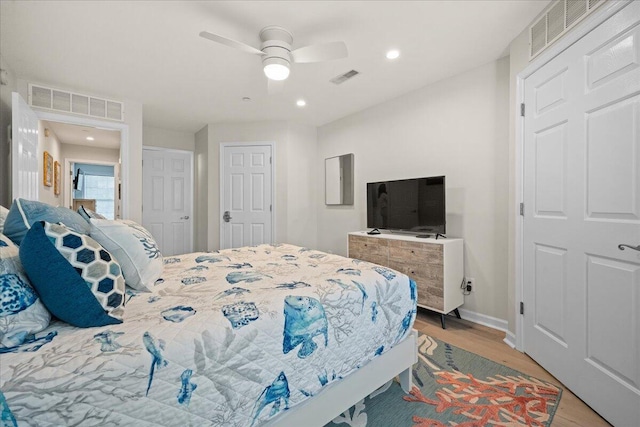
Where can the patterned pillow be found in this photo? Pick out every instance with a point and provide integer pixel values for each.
(77, 279)
(88, 214)
(3, 216)
(23, 213)
(134, 248)
(21, 311)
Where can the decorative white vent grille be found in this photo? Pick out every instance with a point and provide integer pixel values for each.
(70, 102)
(556, 20)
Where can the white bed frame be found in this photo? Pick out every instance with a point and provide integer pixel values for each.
(339, 396)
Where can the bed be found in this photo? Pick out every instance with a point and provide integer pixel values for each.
(266, 335)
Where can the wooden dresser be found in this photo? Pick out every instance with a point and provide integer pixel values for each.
(436, 265)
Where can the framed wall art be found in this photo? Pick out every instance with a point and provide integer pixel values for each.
(48, 169)
(57, 176)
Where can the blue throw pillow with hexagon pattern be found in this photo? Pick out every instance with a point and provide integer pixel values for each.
(77, 279)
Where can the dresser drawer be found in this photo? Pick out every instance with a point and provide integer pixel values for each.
(369, 249)
(421, 272)
(401, 251)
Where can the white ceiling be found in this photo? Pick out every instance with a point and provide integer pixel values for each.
(150, 52)
(77, 135)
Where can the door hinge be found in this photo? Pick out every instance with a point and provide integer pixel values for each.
(522, 109)
(521, 307)
(270, 208)
(521, 209)
(270, 161)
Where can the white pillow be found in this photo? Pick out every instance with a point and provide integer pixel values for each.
(134, 248)
(3, 216)
(21, 310)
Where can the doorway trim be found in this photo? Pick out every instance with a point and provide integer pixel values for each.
(192, 182)
(223, 145)
(123, 128)
(589, 24)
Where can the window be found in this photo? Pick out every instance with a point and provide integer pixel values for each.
(102, 189)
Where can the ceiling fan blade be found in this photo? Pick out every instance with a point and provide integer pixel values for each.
(231, 43)
(320, 52)
(274, 87)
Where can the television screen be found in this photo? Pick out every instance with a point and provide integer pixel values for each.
(415, 205)
(78, 181)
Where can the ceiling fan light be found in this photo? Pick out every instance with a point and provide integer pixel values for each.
(276, 68)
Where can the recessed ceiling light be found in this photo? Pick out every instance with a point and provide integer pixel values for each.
(393, 54)
(89, 138)
(301, 102)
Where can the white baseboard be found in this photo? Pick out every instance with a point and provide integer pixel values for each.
(483, 319)
(510, 339)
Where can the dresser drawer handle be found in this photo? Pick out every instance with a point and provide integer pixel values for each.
(412, 252)
(413, 272)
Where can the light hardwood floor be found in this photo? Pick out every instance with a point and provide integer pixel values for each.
(488, 343)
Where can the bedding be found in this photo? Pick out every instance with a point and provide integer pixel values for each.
(230, 338)
(3, 217)
(80, 282)
(23, 213)
(87, 214)
(134, 248)
(21, 310)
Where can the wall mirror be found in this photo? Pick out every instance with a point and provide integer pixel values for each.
(338, 180)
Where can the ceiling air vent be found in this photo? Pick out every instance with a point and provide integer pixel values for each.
(344, 77)
(76, 103)
(558, 18)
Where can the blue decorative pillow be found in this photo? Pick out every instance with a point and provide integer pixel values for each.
(23, 213)
(134, 248)
(87, 214)
(77, 279)
(21, 311)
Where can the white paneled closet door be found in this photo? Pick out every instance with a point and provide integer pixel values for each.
(582, 201)
(167, 199)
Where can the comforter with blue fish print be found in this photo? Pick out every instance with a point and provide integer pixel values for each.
(230, 338)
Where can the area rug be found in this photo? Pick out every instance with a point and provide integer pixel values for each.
(454, 387)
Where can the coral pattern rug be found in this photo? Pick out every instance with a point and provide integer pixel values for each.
(454, 387)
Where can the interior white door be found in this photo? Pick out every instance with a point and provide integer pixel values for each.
(582, 200)
(167, 199)
(24, 150)
(247, 205)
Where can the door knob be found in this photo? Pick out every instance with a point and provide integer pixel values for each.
(226, 217)
(184, 217)
(622, 246)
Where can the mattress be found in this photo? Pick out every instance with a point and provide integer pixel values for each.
(228, 338)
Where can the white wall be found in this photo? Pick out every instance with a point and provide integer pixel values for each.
(295, 177)
(5, 121)
(457, 127)
(52, 145)
(166, 138)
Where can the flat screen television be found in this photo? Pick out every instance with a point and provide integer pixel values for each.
(78, 181)
(411, 205)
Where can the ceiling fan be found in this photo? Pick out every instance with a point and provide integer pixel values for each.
(277, 55)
